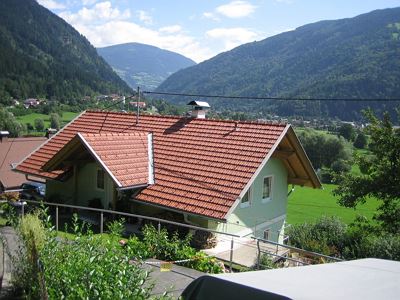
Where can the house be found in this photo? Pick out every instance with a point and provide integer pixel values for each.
(12, 151)
(31, 102)
(226, 175)
(135, 104)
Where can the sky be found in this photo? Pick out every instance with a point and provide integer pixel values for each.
(199, 29)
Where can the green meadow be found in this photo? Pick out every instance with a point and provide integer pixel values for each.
(307, 204)
(30, 118)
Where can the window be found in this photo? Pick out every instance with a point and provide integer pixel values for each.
(100, 179)
(246, 199)
(267, 189)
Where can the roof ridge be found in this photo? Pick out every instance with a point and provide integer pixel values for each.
(115, 133)
(258, 122)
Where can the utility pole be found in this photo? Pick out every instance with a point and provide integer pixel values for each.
(137, 105)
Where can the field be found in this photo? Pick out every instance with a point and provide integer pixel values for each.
(307, 204)
(30, 118)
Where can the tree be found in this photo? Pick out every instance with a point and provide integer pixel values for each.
(55, 121)
(39, 124)
(347, 131)
(361, 141)
(10, 124)
(381, 174)
(322, 149)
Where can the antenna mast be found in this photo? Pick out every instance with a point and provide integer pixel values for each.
(137, 105)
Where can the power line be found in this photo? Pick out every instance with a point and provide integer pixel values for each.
(274, 98)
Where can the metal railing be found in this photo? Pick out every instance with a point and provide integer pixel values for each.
(163, 221)
(113, 212)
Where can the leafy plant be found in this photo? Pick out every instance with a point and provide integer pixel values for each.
(85, 268)
(169, 247)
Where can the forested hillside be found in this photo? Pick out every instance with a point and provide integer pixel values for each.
(349, 58)
(143, 65)
(43, 56)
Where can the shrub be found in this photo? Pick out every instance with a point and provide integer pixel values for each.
(326, 235)
(266, 262)
(204, 240)
(85, 268)
(169, 247)
(341, 166)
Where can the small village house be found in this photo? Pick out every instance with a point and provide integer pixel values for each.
(12, 151)
(225, 175)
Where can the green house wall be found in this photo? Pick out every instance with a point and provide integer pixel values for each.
(245, 221)
(258, 216)
(63, 192)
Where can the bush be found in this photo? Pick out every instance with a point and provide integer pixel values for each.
(325, 176)
(203, 240)
(169, 247)
(341, 166)
(332, 237)
(85, 268)
(326, 235)
(266, 262)
(361, 141)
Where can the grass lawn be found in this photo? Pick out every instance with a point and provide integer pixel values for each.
(307, 204)
(30, 118)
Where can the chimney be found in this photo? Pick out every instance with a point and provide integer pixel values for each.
(4, 136)
(50, 132)
(199, 109)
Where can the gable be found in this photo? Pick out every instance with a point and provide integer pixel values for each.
(125, 157)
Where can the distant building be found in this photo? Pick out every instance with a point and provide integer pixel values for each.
(12, 151)
(135, 104)
(31, 102)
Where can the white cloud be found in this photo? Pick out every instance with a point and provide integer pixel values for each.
(171, 29)
(89, 2)
(285, 1)
(104, 25)
(232, 37)
(145, 17)
(51, 4)
(236, 9)
(99, 13)
(210, 15)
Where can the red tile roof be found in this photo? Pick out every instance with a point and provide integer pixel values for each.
(201, 165)
(124, 154)
(12, 151)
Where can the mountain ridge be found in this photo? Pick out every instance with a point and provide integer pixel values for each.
(347, 58)
(43, 56)
(143, 65)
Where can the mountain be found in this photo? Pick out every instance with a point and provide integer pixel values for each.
(143, 65)
(350, 58)
(43, 56)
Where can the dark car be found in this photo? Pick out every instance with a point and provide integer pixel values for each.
(32, 191)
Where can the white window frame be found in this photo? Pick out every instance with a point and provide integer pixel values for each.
(266, 200)
(97, 179)
(248, 202)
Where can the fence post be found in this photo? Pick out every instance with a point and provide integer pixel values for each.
(258, 254)
(231, 257)
(56, 218)
(101, 222)
(22, 208)
(159, 227)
